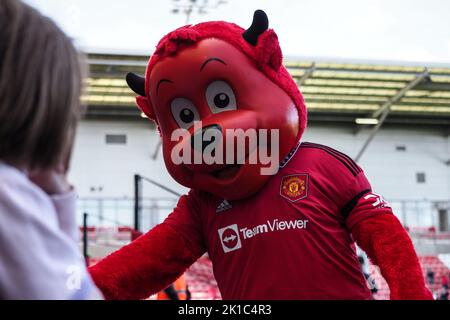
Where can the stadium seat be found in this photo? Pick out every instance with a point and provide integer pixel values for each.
(427, 262)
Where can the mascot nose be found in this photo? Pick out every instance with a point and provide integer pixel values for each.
(213, 134)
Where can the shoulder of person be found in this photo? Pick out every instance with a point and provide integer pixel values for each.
(20, 196)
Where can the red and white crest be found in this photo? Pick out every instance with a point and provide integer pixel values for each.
(294, 187)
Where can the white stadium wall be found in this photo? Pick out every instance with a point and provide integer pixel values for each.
(105, 171)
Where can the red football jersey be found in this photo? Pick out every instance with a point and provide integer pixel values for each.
(292, 239)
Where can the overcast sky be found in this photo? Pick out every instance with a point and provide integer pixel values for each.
(389, 30)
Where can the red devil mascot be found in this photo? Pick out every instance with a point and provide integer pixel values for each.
(289, 234)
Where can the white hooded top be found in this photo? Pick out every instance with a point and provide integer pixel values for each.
(39, 255)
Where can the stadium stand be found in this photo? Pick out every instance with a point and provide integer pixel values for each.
(200, 279)
(427, 262)
(334, 91)
(203, 286)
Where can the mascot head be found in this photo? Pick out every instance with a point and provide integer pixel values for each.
(221, 98)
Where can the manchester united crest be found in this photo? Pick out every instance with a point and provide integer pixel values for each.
(294, 187)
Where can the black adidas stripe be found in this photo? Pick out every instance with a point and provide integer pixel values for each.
(343, 155)
(344, 159)
(345, 211)
(336, 157)
(349, 160)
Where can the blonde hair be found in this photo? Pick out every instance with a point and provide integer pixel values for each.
(40, 86)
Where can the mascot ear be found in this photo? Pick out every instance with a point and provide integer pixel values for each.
(137, 84)
(146, 107)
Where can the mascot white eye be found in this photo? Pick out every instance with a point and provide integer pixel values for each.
(184, 112)
(220, 97)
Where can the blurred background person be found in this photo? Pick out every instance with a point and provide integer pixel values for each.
(40, 88)
(176, 291)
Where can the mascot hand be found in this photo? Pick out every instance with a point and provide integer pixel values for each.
(145, 266)
(388, 245)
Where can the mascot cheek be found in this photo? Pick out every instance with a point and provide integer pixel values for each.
(177, 171)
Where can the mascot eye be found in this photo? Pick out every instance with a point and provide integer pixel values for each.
(184, 112)
(220, 97)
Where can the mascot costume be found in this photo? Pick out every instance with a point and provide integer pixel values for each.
(288, 235)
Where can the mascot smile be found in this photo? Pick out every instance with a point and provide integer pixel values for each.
(284, 232)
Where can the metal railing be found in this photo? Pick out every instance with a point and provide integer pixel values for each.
(120, 212)
(108, 215)
(420, 214)
(417, 215)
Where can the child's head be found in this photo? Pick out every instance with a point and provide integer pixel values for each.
(40, 87)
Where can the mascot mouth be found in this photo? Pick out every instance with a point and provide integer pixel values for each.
(227, 172)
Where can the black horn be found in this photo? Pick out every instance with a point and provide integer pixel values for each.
(259, 25)
(136, 83)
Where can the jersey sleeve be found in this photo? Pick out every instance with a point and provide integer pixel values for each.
(366, 206)
(186, 220)
(358, 201)
(345, 185)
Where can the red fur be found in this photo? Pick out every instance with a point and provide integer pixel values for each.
(266, 55)
(388, 245)
(145, 266)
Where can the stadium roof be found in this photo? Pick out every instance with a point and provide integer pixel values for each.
(334, 91)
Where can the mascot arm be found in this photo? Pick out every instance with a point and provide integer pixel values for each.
(145, 266)
(380, 234)
(154, 260)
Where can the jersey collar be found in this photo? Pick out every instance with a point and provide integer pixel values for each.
(290, 155)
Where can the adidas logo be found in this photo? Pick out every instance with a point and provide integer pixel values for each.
(224, 205)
